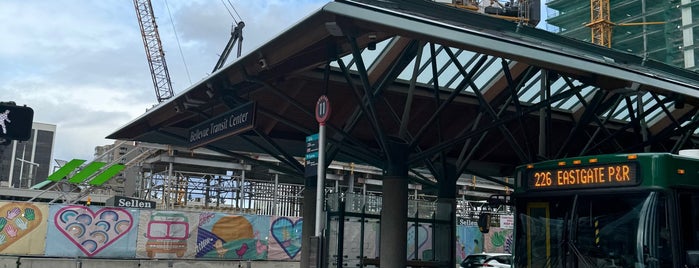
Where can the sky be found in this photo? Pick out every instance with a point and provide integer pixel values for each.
(81, 65)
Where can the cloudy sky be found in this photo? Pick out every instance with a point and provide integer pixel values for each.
(81, 65)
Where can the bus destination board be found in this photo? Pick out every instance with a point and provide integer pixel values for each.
(588, 176)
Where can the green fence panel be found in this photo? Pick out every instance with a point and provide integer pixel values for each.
(65, 170)
(86, 172)
(106, 175)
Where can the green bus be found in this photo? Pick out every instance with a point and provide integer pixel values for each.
(622, 210)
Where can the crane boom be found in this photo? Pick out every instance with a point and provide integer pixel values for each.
(154, 50)
(236, 37)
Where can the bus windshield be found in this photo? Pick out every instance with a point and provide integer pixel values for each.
(592, 230)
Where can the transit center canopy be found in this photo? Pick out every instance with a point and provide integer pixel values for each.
(460, 90)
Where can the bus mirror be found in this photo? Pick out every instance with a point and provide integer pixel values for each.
(484, 222)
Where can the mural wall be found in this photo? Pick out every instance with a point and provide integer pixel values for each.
(23, 228)
(59, 230)
(91, 231)
(167, 234)
(499, 239)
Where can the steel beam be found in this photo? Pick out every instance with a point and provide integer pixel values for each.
(448, 144)
(369, 96)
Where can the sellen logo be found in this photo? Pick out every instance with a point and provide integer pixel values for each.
(101, 176)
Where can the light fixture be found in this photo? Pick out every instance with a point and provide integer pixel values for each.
(372, 42)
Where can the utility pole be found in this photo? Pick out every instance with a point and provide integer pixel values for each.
(32, 170)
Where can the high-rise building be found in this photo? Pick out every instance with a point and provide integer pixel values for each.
(658, 30)
(120, 152)
(25, 163)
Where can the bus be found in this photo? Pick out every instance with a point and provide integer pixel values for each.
(621, 210)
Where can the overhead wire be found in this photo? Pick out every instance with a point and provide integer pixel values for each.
(229, 11)
(236, 11)
(172, 22)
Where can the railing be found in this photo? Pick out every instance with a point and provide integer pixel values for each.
(372, 204)
(354, 203)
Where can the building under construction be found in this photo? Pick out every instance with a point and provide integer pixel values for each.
(656, 30)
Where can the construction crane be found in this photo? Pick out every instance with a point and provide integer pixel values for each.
(601, 24)
(236, 37)
(154, 50)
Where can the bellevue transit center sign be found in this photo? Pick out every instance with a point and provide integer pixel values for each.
(230, 123)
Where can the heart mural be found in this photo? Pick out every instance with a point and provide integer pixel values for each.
(18, 220)
(288, 234)
(92, 231)
(422, 236)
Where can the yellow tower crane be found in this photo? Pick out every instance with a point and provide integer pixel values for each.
(601, 24)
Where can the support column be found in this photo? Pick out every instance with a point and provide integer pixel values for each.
(309, 219)
(445, 216)
(394, 211)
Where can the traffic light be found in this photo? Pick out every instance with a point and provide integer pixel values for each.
(15, 121)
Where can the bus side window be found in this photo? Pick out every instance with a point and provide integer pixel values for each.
(689, 222)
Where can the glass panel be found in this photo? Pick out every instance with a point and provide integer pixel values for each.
(592, 231)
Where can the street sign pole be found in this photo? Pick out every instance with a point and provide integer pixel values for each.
(322, 115)
(321, 179)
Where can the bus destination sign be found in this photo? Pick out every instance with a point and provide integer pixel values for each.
(588, 176)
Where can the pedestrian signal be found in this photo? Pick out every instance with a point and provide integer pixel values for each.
(15, 122)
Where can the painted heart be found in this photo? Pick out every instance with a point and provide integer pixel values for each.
(422, 235)
(93, 231)
(25, 217)
(288, 234)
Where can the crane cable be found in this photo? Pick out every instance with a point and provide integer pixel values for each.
(172, 22)
(236, 11)
(229, 11)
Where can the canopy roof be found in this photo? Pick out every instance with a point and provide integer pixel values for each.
(459, 89)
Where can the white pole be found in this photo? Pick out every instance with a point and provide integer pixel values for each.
(320, 188)
(21, 166)
(276, 193)
(168, 182)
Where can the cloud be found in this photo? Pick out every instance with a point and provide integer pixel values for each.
(81, 65)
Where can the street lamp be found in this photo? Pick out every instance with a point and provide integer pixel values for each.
(31, 175)
(21, 171)
(21, 168)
